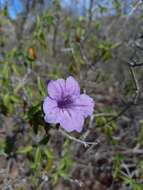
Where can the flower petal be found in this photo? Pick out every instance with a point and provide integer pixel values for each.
(71, 121)
(72, 86)
(51, 110)
(84, 104)
(56, 89)
(51, 117)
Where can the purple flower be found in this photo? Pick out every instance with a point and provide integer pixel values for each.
(65, 104)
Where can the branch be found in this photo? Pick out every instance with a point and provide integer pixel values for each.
(135, 8)
(104, 114)
(136, 64)
(132, 102)
(86, 144)
(119, 114)
(90, 15)
(135, 83)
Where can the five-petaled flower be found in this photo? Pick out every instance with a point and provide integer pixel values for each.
(66, 106)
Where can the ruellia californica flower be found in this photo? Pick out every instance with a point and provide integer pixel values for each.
(66, 106)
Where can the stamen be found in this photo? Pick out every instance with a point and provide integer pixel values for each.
(65, 102)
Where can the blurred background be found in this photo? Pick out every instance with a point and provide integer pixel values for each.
(100, 43)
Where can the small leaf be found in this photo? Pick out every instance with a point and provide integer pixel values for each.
(41, 87)
(25, 150)
(37, 156)
(49, 153)
(15, 69)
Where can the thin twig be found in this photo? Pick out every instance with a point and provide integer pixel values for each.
(134, 8)
(86, 144)
(136, 64)
(105, 114)
(55, 34)
(135, 83)
(119, 114)
(83, 55)
(89, 21)
(133, 101)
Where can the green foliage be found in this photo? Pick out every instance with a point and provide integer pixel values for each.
(39, 34)
(50, 158)
(109, 131)
(64, 166)
(27, 61)
(35, 117)
(103, 9)
(2, 147)
(41, 87)
(118, 6)
(117, 165)
(140, 137)
(118, 174)
(37, 160)
(106, 49)
(25, 150)
(132, 183)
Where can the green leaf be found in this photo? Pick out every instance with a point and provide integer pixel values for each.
(15, 69)
(37, 156)
(117, 165)
(49, 19)
(2, 147)
(50, 157)
(15, 99)
(25, 150)
(49, 153)
(117, 5)
(6, 100)
(5, 72)
(34, 110)
(103, 9)
(41, 87)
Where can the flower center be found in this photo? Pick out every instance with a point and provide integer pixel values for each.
(66, 102)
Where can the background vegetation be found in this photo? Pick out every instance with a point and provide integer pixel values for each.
(100, 43)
